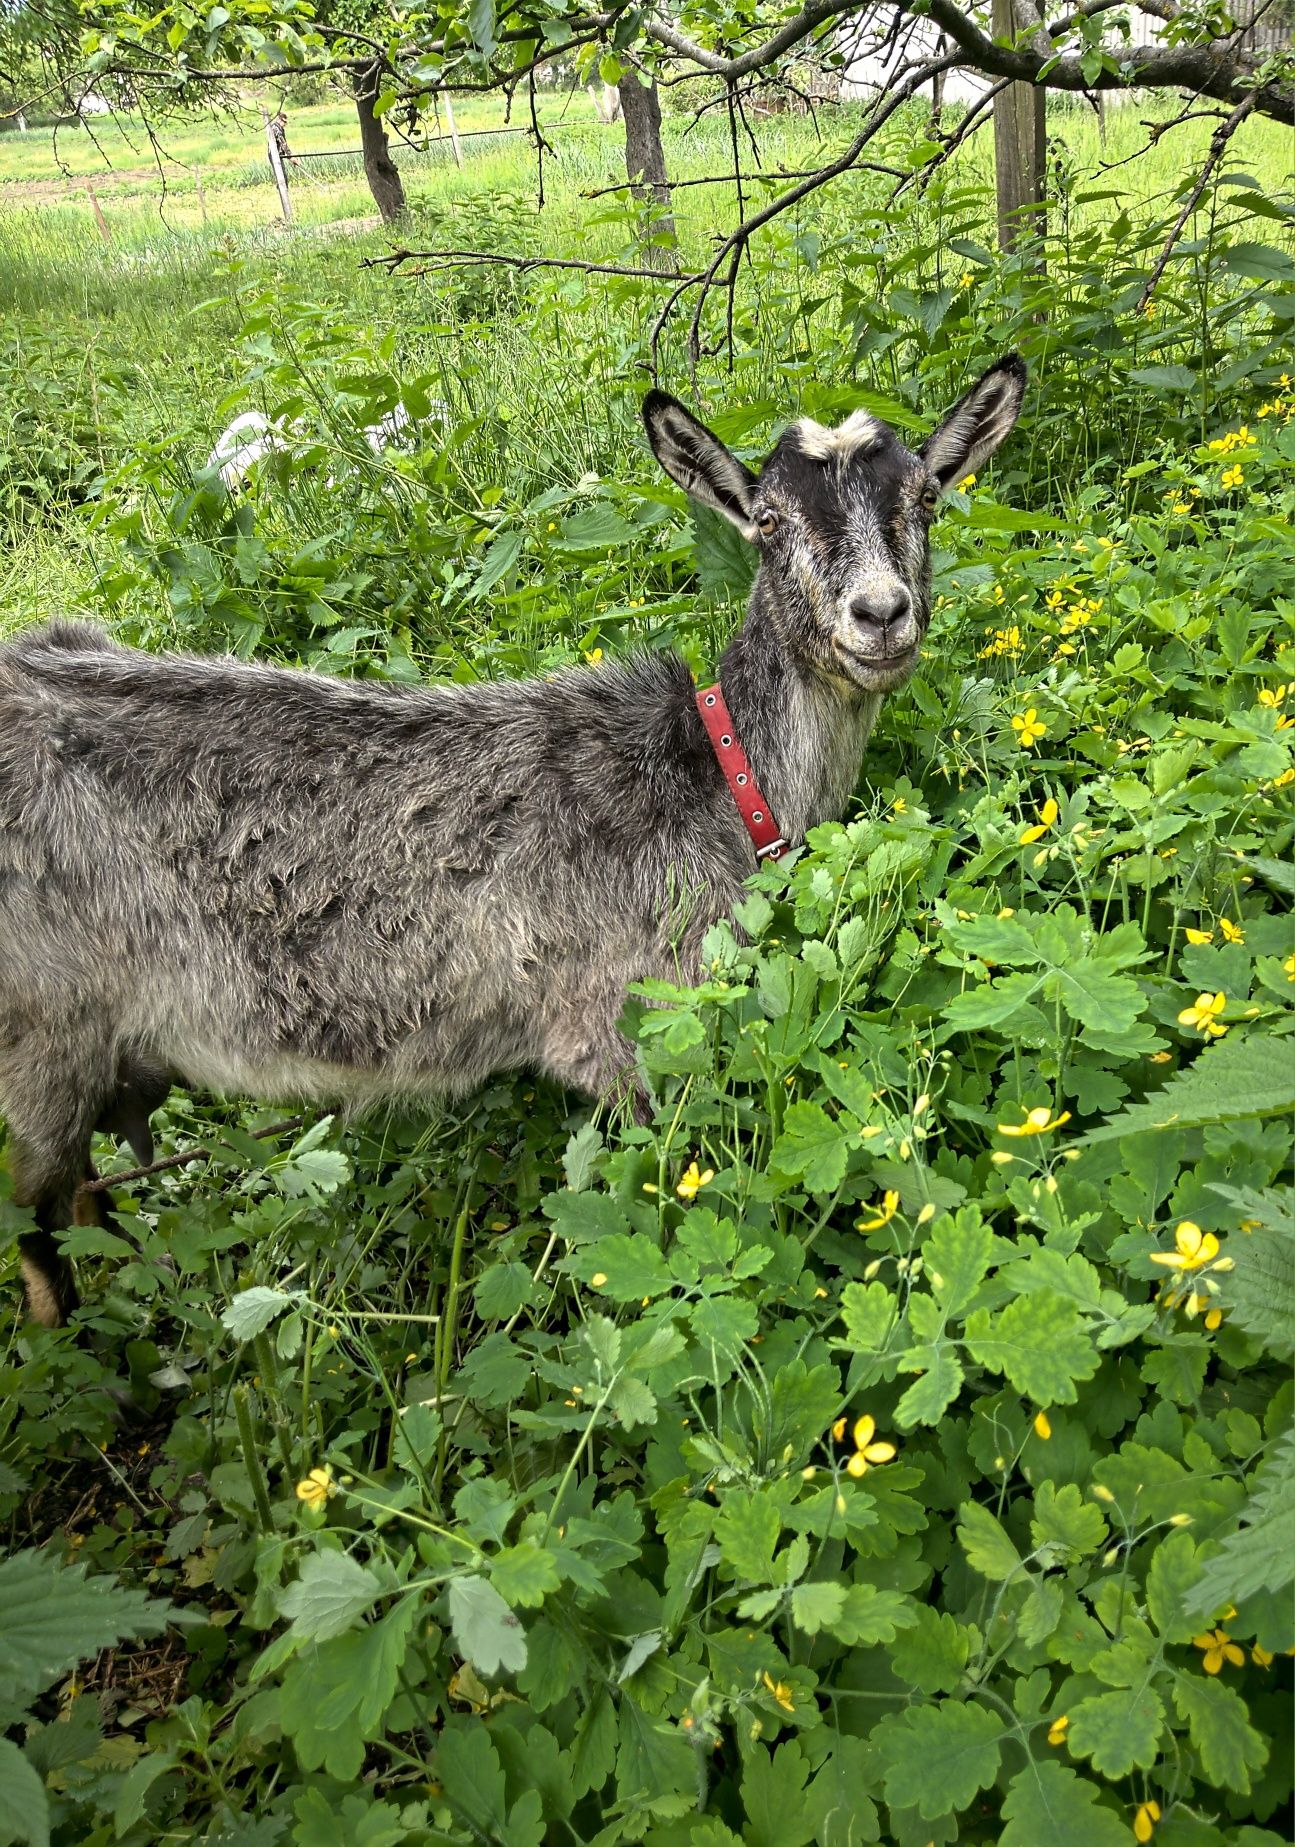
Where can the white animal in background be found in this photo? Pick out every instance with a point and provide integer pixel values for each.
(253, 436)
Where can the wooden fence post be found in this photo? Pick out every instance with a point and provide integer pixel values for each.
(452, 125)
(1019, 148)
(276, 166)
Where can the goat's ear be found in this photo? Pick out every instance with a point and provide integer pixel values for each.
(977, 423)
(696, 458)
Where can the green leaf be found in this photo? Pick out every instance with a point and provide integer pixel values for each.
(773, 1795)
(1260, 1555)
(335, 1694)
(1040, 1342)
(992, 1003)
(1049, 1805)
(631, 1264)
(1171, 1576)
(1118, 1731)
(581, 1217)
(1164, 378)
(252, 1311)
(957, 1256)
(870, 1313)
(330, 1596)
(132, 1791)
(747, 1526)
(486, 1632)
(813, 1146)
(1246, 1074)
(836, 1806)
(986, 1544)
(869, 1615)
(932, 1653)
(523, 1575)
(24, 1807)
(1259, 1295)
(1063, 1518)
(481, 25)
(1099, 1000)
(927, 1401)
(725, 562)
(1228, 1745)
(816, 1606)
(51, 1617)
(470, 1773)
(938, 1757)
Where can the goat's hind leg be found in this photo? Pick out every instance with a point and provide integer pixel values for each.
(50, 1106)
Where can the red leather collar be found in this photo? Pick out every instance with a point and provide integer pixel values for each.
(732, 759)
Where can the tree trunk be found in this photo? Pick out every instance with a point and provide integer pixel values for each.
(645, 159)
(1019, 148)
(379, 168)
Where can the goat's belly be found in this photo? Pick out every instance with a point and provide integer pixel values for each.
(412, 1071)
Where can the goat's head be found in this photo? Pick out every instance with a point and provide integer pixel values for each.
(841, 519)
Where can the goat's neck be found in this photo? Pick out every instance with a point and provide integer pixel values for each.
(804, 733)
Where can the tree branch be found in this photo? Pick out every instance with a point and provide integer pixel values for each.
(1218, 144)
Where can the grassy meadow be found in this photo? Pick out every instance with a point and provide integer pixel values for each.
(892, 1442)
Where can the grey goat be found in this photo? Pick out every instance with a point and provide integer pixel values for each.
(261, 881)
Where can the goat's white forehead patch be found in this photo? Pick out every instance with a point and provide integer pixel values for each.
(860, 432)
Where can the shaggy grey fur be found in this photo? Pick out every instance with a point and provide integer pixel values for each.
(254, 880)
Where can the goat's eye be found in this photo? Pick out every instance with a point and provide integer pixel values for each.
(931, 498)
(767, 521)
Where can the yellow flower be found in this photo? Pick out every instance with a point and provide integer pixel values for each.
(967, 279)
(1219, 1647)
(1193, 1248)
(1273, 695)
(1260, 1656)
(1145, 1820)
(1199, 936)
(1234, 476)
(1204, 1015)
(966, 482)
(1214, 1320)
(883, 1215)
(1047, 815)
(1232, 933)
(867, 1452)
(1289, 966)
(1058, 1729)
(693, 1180)
(899, 805)
(838, 1429)
(781, 1692)
(1038, 1122)
(316, 1488)
(598, 1278)
(1028, 727)
(1042, 1427)
(593, 654)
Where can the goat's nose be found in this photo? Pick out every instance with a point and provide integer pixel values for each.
(882, 606)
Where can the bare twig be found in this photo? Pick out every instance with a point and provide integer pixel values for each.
(430, 261)
(1218, 145)
(102, 1183)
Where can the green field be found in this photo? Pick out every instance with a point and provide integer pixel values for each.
(836, 1459)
